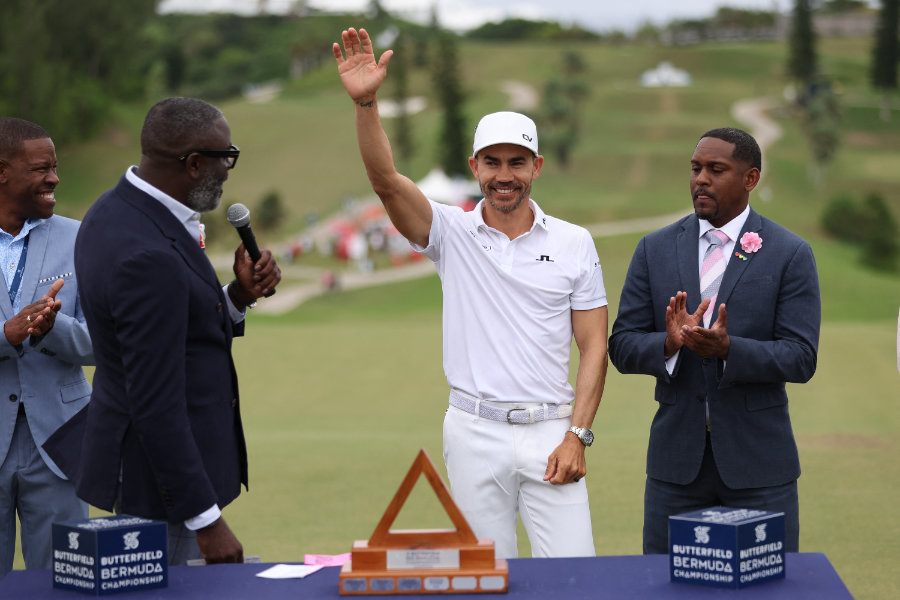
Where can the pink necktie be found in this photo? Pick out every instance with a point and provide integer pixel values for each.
(712, 270)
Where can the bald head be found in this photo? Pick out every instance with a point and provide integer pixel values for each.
(177, 133)
(176, 125)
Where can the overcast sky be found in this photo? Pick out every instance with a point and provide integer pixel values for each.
(598, 15)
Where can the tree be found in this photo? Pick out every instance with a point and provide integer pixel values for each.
(63, 63)
(880, 248)
(450, 97)
(843, 6)
(563, 99)
(403, 140)
(802, 57)
(886, 54)
(869, 225)
(821, 120)
(270, 212)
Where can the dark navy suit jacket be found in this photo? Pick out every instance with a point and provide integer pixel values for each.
(773, 318)
(164, 413)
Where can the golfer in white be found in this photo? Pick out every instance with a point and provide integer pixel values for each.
(518, 284)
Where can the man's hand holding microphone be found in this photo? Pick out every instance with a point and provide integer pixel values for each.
(256, 273)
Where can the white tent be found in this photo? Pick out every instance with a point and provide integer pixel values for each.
(665, 75)
(448, 190)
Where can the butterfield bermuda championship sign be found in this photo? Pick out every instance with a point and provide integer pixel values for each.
(726, 547)
(108, 555)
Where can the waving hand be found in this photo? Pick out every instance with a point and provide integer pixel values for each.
(359, 72)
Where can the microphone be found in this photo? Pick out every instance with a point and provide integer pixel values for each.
(239, 216)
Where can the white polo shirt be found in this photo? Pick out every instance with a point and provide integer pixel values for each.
(507, 320)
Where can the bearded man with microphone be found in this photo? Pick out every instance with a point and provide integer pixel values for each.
(162, 435)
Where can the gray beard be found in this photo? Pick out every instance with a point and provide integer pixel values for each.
(508, 208)
(206, 195)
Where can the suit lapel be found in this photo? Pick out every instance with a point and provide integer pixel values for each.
(6, 309)
(38, 239)
(737, 265)
(686, 255)
(169, 226)
(37, 245)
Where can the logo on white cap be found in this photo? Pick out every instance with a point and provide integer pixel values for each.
(505, 128)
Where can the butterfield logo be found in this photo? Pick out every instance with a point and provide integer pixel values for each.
(73, 540)
(761, 533)
(131, 540)
(701, 534)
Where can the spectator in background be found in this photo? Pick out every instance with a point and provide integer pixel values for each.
(44, 345)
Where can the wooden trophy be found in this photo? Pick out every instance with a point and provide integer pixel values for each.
(423, 561)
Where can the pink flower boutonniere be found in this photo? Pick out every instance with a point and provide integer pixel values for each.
(751, 242)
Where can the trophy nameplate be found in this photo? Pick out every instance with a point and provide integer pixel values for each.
(423, 561)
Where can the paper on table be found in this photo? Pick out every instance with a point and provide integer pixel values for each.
(289, 571)
(199, 562)
(327, 560)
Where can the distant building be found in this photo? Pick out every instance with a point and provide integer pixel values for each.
(766, 26)
(665, 75)
(859, 23)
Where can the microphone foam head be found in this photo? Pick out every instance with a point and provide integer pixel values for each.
(238, 215)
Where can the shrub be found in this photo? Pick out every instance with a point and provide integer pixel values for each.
(870, 225)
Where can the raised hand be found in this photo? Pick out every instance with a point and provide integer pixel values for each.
(359, 72)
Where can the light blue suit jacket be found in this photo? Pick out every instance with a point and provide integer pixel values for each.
(46, 374)
(773, 318)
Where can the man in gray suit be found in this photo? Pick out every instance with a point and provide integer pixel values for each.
(722, 433)
(44, 344)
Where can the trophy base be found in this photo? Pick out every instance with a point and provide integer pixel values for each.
(425, 581)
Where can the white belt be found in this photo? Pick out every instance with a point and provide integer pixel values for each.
(519, 413)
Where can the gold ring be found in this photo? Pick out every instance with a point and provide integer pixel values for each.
(28, 319)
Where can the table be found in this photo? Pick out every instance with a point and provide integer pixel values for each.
(808, 576)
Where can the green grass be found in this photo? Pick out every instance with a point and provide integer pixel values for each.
(339, 395)
(335, 417)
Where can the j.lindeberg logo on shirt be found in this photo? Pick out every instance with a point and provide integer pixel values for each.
(544, 258)
(483, 245)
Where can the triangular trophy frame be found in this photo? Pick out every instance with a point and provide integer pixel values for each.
(384, 537)
(423, 561)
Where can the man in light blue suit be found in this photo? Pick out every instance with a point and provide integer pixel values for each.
(44, 344)
(722, 433)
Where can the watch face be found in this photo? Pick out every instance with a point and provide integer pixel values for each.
(587, 436)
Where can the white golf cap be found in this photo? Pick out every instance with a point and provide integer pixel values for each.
(505, 128)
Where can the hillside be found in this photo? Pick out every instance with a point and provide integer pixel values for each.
(631, 160)
(338, 395)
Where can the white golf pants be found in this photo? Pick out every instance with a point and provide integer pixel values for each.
(496, 471)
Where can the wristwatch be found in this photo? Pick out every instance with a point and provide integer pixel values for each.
(584, 434)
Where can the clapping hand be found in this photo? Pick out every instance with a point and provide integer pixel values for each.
(679, 320)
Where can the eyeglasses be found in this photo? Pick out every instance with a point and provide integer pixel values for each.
(231, 155)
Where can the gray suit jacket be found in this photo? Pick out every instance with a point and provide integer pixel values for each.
(46, 375)
(773, 319)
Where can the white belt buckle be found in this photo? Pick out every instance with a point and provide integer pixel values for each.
(509, 415)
